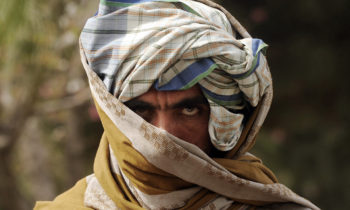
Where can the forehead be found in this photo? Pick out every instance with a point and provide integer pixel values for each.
(170, 97)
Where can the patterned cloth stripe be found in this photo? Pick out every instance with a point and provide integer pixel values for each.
(190, 76)
(221, 99)
(86, 30)
(209, 79)
(258, 45)
(126, 3)
(122, 3)
(186, 8)
(195, 72)
(255, 65)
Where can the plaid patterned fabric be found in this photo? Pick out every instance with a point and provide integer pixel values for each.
(134, 45)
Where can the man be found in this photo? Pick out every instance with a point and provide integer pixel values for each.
(181, 99)
(184, 114)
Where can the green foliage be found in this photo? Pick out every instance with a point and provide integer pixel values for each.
(40, 86)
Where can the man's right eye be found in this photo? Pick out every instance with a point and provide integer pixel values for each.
(140, 110)
(145, 113)
(190, 111)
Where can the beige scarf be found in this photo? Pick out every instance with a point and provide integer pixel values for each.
(139, 166)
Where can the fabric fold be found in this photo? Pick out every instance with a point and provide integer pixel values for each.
(131, 46)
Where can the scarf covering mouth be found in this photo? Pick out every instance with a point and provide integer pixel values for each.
(131, 46)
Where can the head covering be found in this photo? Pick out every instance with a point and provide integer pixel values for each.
(133, 45)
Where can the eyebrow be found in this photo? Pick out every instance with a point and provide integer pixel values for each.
(190, 102)
(136, 103)
(186, 102)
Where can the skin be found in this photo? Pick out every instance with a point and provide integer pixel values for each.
(184, 114)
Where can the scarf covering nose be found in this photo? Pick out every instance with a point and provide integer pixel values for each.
(132, 45)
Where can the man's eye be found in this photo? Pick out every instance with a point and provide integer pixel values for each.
(190, 111)
(146, 114)
(141, 111)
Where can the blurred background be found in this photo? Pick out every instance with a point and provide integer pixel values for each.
(49, 130)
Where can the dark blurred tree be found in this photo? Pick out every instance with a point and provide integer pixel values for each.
(304, 139)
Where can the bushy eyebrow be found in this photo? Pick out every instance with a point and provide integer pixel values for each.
(186, 102)
(136, 103)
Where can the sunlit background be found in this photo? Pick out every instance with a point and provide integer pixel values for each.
(49, 129)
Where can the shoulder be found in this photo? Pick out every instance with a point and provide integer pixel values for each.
(71, 199)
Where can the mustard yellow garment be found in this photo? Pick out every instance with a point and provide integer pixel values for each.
(146, 176)
(71, 199)
(154, 181)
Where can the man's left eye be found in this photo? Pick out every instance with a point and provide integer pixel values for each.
(190, 111)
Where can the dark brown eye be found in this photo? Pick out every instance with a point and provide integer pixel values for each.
(190, 111)
(143, 109)
(142, 112)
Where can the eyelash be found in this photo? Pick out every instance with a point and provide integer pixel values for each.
(192, 108)
(140, 109)
(143, 112)
(146, 112)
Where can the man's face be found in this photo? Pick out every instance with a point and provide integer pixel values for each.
(184, 113)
